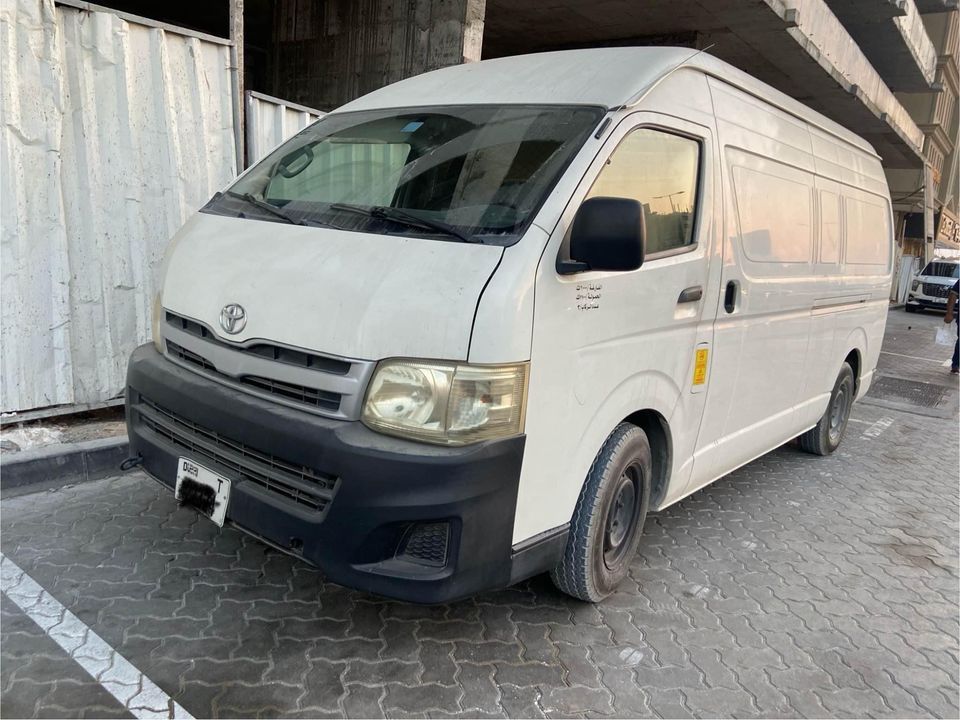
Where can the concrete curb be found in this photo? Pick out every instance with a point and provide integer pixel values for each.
(63, 464)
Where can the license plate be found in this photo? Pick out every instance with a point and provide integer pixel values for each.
(940, 300)
(202, 490)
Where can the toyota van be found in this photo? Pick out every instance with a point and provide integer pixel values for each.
(476, 325)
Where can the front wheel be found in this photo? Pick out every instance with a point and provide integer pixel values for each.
(609, 516)
(824, 437)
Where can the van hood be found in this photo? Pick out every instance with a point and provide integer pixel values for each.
(351, 294)
(936, 279)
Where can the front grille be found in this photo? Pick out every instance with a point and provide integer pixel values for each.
(309, 396)
(191, 326)
(935, 290)
(301, 394)
(299, 358)
(181, 353)
(238, 461)
(277, 353)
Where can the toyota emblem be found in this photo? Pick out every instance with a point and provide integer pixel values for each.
(233, 318)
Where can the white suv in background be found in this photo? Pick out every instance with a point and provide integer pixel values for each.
(929, 289)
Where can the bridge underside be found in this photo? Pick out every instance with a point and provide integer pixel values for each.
(803, 52)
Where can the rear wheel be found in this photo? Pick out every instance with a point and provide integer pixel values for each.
(609, 516)
(825, 436)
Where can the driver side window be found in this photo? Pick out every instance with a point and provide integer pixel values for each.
(660, 170)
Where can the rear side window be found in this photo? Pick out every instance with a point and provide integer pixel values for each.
(867, 232)
(659, 170)
(774, 213)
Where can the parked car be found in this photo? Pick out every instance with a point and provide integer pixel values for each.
(930, 288)
(475, 325)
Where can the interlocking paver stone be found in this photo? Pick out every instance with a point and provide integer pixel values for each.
(795, 586)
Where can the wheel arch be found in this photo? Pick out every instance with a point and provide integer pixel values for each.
(661, 449)
(646, 399)
(855, 361)
(857, 351)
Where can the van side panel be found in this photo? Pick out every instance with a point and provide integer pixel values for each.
(853, 180)
(761, 347)
(773, 360)
(808, 242)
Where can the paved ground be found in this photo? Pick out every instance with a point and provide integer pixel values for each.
(796, 586)
(909, 348)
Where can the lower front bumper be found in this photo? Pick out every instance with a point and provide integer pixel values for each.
(927, 303)
(334, 492)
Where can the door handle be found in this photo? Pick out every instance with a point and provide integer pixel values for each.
(730, 296)
(691, 294)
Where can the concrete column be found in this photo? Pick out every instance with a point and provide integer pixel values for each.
(328, 52)
(928, 212)
(236, 61)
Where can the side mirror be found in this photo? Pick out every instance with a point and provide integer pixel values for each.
(607, 234)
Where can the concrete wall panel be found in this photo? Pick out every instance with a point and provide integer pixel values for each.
(328, 53)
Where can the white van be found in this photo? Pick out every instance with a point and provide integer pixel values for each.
(475, 325)
(931, 286)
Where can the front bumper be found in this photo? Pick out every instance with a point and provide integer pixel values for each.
(927, 302)
(374, 497)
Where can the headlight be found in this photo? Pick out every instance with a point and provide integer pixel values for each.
(446, 403)
(156, 315)
(916, 284)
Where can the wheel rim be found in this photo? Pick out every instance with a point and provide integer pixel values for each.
(622, 516)
(838, 412)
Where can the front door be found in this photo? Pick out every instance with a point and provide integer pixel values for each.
(607, 344)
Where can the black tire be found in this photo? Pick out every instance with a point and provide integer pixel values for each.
(609, 516)
(910, 308)
(825, 437)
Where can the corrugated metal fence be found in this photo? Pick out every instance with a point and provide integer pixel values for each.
(270, 121)
(114, 130)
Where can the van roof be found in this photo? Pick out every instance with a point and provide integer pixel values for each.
(610, 77)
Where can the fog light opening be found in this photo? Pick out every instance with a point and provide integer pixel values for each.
(426, 544)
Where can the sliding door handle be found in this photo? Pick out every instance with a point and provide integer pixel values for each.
(691, 294)
(730, 296)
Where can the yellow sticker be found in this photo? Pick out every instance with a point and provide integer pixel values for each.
(700, 367)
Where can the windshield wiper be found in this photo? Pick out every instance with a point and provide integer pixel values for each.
(264, 205)
(398, 215)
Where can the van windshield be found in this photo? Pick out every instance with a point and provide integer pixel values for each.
(942, 269)
(466, 173)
